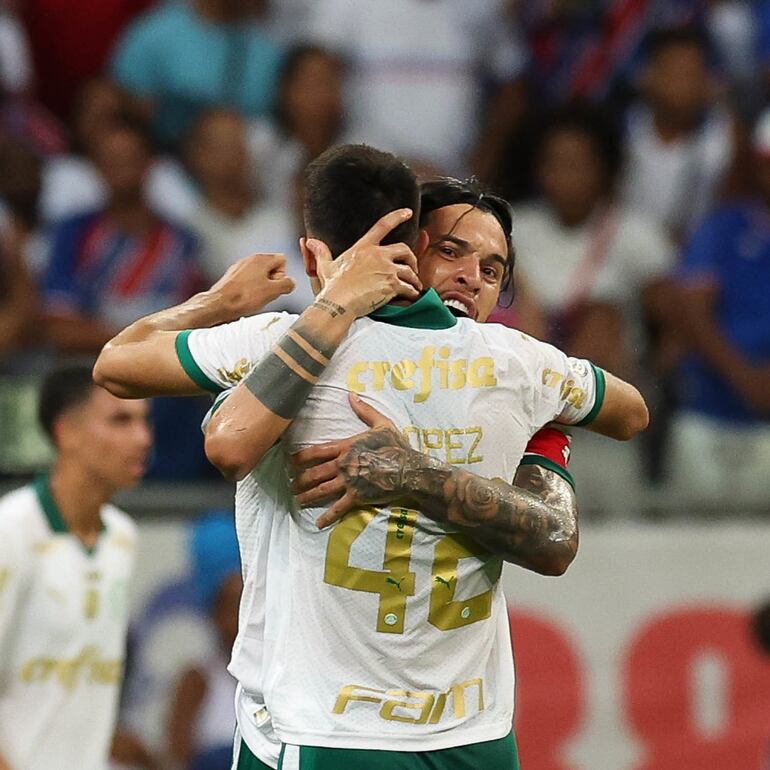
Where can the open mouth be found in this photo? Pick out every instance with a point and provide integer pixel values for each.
(459, 308)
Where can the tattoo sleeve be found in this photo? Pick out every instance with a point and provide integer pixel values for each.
(283, 379)
(532, 523)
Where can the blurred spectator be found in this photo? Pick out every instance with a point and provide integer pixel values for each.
(589, 50)
(722, 436)
(110, 266)
(523, 313)
(202, 718)
(18, 300)
(70, 41)
(187, 56)
(762, 20)
(232, 222)
(20, 184)
(597, 269)
(680, 140)
(289, 20)
(417, 70)
(590, 261)
(20, 115)
(15, 60)
(733, 27)
(72, 184)
(308, 120)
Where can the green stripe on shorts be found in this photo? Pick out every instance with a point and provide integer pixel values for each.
(500, 754)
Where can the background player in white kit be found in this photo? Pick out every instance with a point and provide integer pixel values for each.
(66, 560)
(219, 373)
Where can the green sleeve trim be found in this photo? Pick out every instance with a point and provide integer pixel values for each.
(190, 365)
(601, 387)
(548, 464)
(218, 401)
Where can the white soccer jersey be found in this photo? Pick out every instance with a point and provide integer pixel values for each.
(63, 620)
(389, 631)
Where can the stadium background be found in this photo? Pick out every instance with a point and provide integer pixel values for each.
(642, 656)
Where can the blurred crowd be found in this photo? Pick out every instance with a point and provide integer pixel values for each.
(146, 145)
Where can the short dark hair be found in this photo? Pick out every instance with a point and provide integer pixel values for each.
(597, 126)
(447, 191)
(349, 187)
(62, 389)
(662, 38)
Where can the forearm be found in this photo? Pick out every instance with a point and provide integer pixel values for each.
(201, 311)
(532, 523)
(624, 412)
(141, 361)
(263, 405)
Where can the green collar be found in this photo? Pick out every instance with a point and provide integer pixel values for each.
(429, 312)
(42, 486)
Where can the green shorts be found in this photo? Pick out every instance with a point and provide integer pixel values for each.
(498, 755)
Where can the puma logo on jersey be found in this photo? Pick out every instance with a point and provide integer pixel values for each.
(394, 582)
(447, 583)
(433, 369)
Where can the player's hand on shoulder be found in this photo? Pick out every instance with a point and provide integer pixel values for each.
(365, 469)
(249, 284)
(368, 275)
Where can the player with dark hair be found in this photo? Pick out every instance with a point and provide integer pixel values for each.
(368, 183)
(66, 559)
(274, 364)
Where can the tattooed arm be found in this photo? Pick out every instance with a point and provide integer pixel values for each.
(532, 523)
(263, 405)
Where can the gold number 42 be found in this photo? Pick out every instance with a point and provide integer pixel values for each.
(394, 582)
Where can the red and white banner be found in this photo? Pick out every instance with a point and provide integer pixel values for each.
(639, 658)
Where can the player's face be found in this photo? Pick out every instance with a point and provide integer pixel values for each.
(111, 438)
(465, 259)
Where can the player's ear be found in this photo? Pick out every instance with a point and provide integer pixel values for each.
(311, 268)
(423, 240)
(65, 432)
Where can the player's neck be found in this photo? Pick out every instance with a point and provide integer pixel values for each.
(79, 499)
